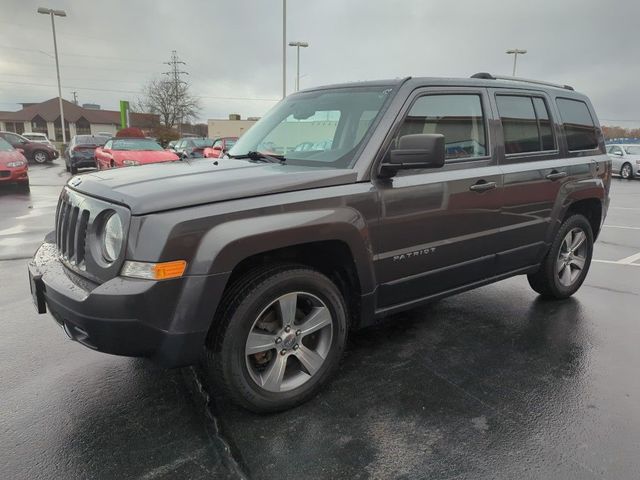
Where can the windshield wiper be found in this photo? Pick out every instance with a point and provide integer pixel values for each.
(261, 157)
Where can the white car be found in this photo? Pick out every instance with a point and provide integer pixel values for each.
(625, 159)
(37, 137)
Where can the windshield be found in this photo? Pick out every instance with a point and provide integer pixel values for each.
(5, 146)
(321, 128)
(632, 150)
(88, 140)
(135, 144)
(203, 142)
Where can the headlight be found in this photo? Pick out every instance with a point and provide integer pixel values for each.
(112, 234)
(130, 163)
(16, 164)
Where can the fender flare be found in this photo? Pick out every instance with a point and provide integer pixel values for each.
(229, 243)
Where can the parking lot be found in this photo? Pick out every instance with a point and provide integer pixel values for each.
(493, 383)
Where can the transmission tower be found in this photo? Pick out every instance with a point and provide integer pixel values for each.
(176, 77)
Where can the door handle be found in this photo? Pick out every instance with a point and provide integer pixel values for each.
(482, 186)
(556, 175)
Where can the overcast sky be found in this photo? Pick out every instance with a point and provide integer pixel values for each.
(109, 49)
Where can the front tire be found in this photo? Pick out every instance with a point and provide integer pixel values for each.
(40, 156)
(626, 171)
(278, 339)
(566, 264)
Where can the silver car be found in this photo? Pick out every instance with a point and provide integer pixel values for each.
(625, 159)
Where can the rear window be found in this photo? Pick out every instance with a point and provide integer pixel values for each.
(579, 126)
(135, 144)
(85, 140)
(203, 142)
(526, 124)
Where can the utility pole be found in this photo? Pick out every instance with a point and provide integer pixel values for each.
(175, 74)
(515, 52)
(75, 97)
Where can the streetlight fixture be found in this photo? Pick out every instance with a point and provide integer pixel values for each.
(298, 45)
(56, 13)
(515, 52)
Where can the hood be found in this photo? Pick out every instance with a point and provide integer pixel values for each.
(11, 156)
(144, 156)
(165, 186)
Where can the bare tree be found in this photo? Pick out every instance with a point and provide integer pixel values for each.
(173, 102)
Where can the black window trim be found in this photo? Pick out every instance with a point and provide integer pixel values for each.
(593, 122)
(485, 123)
(553, 123)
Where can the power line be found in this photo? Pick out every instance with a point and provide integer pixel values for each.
(66, 54)
(139, 92)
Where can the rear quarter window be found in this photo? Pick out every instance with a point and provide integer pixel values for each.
(579, 127)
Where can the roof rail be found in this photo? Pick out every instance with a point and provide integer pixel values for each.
(488, 76)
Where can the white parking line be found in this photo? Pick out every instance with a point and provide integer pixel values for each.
(611, 262)
(621, 226)
(630, 259)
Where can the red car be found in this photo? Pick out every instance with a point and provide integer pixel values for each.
(13, 166)
(219, 147)
(127, 152)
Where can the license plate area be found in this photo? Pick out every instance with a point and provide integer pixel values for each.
(37, 292)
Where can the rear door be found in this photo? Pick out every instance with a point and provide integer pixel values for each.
(438, 226)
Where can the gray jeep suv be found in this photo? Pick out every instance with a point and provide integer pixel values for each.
(259, 264)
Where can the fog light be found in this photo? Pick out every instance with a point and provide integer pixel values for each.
(153, 271)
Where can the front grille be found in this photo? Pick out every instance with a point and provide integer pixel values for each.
(71, 230)
(5, 173)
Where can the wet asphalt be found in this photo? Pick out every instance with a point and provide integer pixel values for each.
(493, 383)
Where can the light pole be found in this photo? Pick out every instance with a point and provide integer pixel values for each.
(298, 45)
(515, 52)
(56, 13)
(284, 48)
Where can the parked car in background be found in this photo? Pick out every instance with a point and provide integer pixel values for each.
(13, 166)
(625, 159)
(192, 147)
(104, 134)
(220, 147)
(38, 137)
(81, 152)
(172, 145)
(129, 152)
(33, 151)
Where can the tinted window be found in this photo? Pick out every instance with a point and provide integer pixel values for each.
(578, 124)
(544, 124)
(458, 117)
(525, 123)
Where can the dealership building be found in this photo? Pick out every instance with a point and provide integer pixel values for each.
(86, 120)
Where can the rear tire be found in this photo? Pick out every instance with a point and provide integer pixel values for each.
(567, 262)
(626, 171)
(302, 344)
(73, 170)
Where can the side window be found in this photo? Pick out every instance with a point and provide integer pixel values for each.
(615, 150)
(579, 126)
(458, 117)
(525, 123)
(108, 144)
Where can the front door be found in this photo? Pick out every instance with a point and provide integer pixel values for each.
(438, 226)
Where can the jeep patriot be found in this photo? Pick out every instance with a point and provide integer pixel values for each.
(342, 205)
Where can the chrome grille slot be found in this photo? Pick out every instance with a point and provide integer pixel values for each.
(71, 230)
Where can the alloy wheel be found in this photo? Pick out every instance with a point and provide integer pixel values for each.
(626, 171)
(572, 256)
(40, 157)
(289, 342)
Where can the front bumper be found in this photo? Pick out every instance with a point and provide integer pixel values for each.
(166, 321)
(13, 175)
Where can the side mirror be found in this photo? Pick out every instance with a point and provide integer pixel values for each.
(416, 152)
(184, 155)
